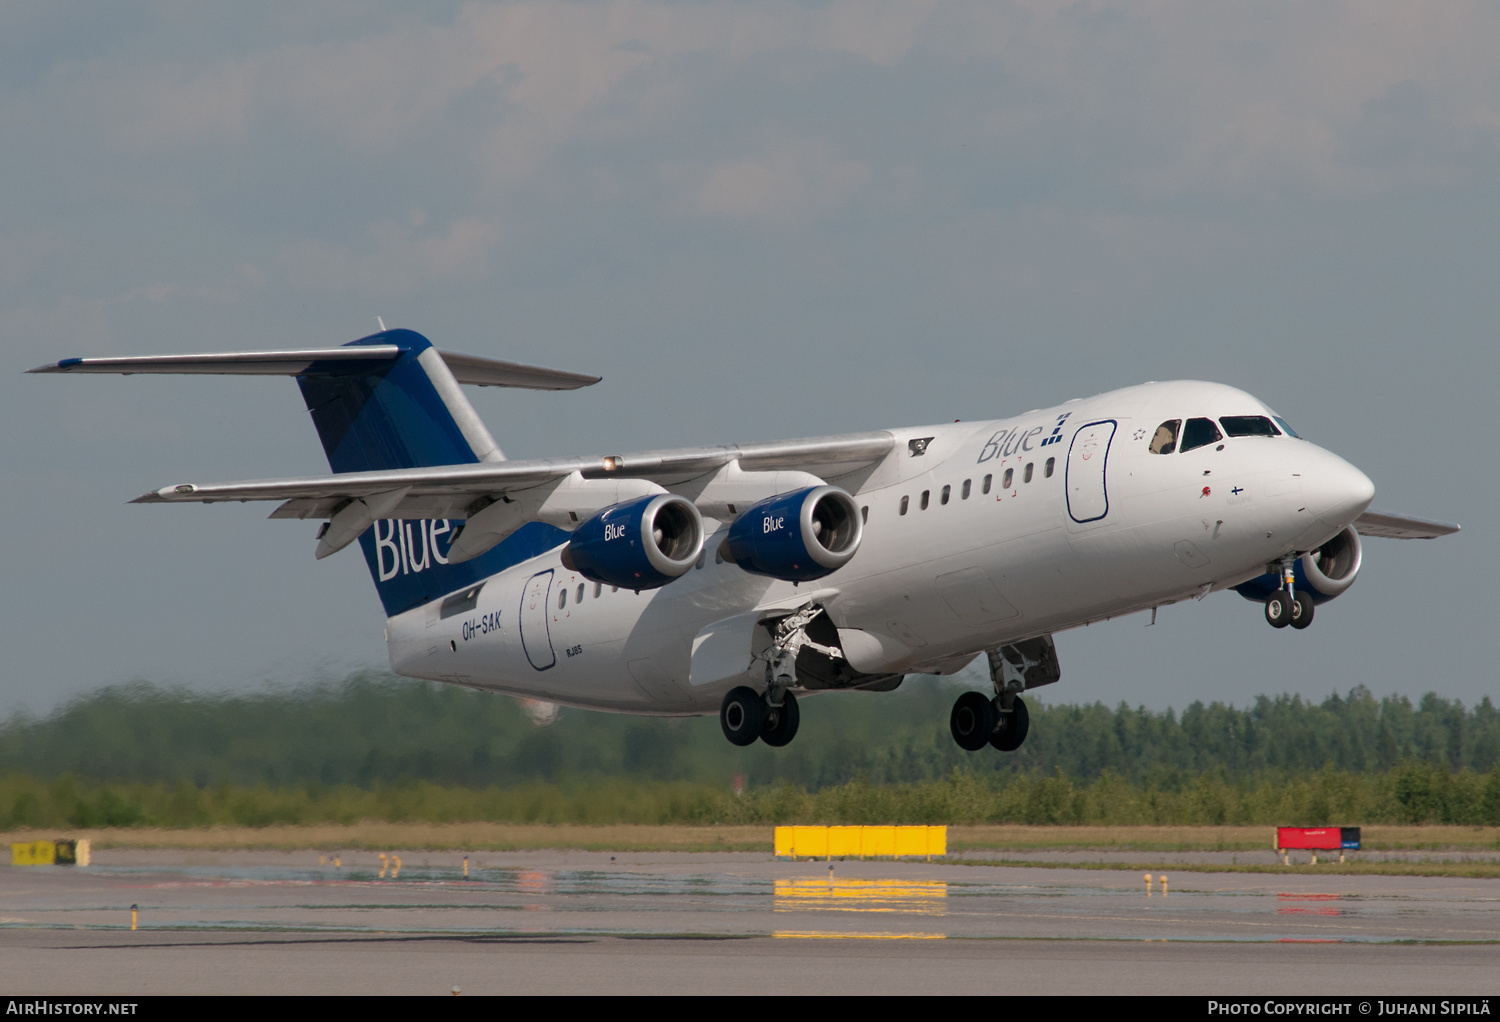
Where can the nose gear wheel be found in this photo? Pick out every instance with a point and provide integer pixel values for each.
(1279, 609)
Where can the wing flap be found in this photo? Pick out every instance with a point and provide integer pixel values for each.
(1390, 526)
(825, 456)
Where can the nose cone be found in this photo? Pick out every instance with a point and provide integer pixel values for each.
(1334, 490)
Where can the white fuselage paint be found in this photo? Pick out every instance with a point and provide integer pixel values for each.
(1113, 529)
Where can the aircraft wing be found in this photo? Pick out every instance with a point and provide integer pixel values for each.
(448, 491)
(1389, 526)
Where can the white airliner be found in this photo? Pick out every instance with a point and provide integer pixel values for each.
(731, 578)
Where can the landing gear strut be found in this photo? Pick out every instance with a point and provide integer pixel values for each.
(746, 714)
(1289, 605)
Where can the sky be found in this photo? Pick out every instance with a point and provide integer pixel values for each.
(755, 221)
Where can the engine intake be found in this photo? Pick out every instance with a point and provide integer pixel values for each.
(639, 544)
(1325, 572)
(797, 536)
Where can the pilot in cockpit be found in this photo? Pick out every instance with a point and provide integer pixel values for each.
(1165, 440)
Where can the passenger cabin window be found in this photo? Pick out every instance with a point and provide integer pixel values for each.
(1026, 478)
(562, 598)
(864, 514)
(947, 491)
(905, 503)
(1199, 433)
(1051, 464)
(967, 484)
(1165, 439)
(926, 494)
(598, 589)
(985, 488)
(579, 597)
(1006, 479)
(1247, 425)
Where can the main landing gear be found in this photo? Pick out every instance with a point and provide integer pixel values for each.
(1003, 721)
(1289, 605)
(977, 721)
(746, 715)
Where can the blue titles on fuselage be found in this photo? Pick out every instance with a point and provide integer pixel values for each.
(1007, 442)
(400, 540)
(1056, 437)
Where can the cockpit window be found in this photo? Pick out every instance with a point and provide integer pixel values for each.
(1199, 433)
(1165, 440)
(1247, 425)
(1289, 431)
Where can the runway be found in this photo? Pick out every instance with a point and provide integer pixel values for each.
(583, 922)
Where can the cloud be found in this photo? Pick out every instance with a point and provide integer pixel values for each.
(792, 180)
(1223, 97)
(393, 258)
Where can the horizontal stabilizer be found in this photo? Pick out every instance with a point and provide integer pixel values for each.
(474, 369)
(1389, 526)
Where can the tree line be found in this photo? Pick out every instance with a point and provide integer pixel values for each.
(372, 729)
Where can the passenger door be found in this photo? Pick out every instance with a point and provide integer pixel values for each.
(536, 635)
(1087, 483)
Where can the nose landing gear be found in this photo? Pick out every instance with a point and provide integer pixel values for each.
(1289, 605)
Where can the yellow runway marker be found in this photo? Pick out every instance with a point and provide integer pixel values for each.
(811, 935)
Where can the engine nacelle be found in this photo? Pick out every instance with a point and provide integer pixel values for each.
(639, 544)
(797, 536)
(1324, 573)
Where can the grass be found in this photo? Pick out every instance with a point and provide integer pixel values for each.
(1018, 837)
(372, 835)
(486, 836)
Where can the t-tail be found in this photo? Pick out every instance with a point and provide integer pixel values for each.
(387, 401)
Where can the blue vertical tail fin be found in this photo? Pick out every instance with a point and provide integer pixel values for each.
(408, 412)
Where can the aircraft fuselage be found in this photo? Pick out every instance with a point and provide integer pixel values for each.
(976, 534)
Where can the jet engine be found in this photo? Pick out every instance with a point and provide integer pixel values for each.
(1324, 573)
(639, 544)
(797, 536)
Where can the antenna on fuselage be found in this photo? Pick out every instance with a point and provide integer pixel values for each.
(380, 323)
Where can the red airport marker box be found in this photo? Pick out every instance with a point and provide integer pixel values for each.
(1318, 838)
